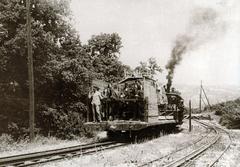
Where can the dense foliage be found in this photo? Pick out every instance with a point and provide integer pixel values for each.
(229, 112)
(150, 67)
(63, 66)
(104, 51)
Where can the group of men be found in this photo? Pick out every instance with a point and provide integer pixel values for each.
(100, 102)
(133, 90)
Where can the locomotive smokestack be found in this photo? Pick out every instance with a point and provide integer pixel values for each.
(204, 26)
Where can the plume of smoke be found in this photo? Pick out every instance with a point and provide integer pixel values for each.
(205, 25)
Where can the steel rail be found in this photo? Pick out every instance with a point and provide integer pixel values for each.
(47, 156)
(40, 153)
(71, 155)
(225, 150)
(158, 159)
(222, 153)
(195, 153)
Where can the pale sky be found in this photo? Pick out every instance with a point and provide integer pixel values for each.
(148, 28)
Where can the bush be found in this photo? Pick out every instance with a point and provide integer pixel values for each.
(64, 121)
(6, 142)
(6, 139)
(13, 116)
(229, 112)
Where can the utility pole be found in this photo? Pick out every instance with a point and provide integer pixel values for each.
(30, 71)
(206, 97)
(200, 98)
(190, 116)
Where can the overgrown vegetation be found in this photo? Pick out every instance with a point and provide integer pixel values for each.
(229, 112)
(63, 68)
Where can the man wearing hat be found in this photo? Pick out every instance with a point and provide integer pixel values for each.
(96, 103)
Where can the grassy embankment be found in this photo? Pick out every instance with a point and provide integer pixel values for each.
(229, 113)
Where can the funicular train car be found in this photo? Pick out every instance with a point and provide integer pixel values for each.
(139, 103)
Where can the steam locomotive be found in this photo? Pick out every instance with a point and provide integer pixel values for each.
(137, 103)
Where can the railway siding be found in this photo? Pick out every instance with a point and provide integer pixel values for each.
(139, 153)
(215, 154)
(57, 154)
(207, 153)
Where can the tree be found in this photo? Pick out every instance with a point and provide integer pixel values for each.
(104, 50)
(63, 67)
(60, 68)
(48, 26)
(149, 68)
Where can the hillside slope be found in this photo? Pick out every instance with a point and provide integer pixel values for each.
(229, 112)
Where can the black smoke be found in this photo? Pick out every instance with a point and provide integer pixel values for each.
(181, 46)
(204, 26)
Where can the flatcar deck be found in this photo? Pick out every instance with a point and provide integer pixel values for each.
(124, 125)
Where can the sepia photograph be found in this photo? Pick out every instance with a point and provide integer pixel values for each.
(120, 83)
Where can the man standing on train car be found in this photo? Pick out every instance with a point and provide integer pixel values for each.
(96, 104)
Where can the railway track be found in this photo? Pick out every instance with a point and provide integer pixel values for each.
(189, 157)
(226, 148)
(196, 150)
(58, 154)
(208, 131)
(215, 157)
